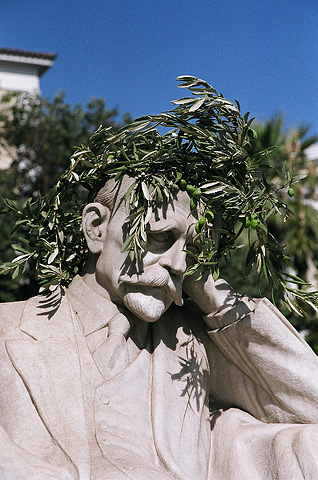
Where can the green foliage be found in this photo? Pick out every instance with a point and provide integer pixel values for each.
(43, 134)
(299, 232)
(205, 151)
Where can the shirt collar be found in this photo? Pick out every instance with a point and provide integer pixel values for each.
(94, 311)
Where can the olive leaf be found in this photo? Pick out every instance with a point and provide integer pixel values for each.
(201, 146)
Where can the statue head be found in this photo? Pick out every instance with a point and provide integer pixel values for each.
(205, 152)
(147, 288)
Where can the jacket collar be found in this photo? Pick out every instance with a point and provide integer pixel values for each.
(94, 311)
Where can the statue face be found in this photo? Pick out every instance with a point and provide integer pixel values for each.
(150, 291)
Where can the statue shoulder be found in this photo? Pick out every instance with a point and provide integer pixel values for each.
(11, 313)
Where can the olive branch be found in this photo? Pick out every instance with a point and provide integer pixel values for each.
(204, 151)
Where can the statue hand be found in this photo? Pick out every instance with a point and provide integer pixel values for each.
(221, 304)
(210, 295)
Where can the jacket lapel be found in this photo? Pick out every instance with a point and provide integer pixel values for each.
(48, 362)
(180, 401)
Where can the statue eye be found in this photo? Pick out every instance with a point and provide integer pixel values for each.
(159, 237)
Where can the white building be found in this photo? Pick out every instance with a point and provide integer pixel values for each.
(20, 71)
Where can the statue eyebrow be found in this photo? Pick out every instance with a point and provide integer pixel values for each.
(163, 226)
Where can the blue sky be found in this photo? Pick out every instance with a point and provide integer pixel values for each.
(264, 53)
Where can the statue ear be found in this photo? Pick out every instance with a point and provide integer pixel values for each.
(94, 223)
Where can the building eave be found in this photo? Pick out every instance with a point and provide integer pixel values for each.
(41, 60)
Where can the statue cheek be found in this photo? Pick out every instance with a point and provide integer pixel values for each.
(151, 258)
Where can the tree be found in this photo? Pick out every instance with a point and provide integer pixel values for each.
(234, 173)
(44, 134)
(299, 233)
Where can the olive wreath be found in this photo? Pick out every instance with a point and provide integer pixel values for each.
(205, 153)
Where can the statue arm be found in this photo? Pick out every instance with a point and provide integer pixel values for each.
(268, 368)
(258, 360)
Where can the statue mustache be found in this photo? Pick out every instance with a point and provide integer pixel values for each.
(155, 276)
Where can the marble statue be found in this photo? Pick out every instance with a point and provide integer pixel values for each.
(117, 377)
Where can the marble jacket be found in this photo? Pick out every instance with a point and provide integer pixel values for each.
(258, 373)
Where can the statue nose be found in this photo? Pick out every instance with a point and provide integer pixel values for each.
(174, 259)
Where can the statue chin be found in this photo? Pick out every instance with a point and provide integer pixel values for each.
(148, 306)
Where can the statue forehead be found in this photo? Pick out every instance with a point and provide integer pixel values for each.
(112, 195)
(179, 205)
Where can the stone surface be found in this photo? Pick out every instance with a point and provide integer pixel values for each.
(111, 379)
